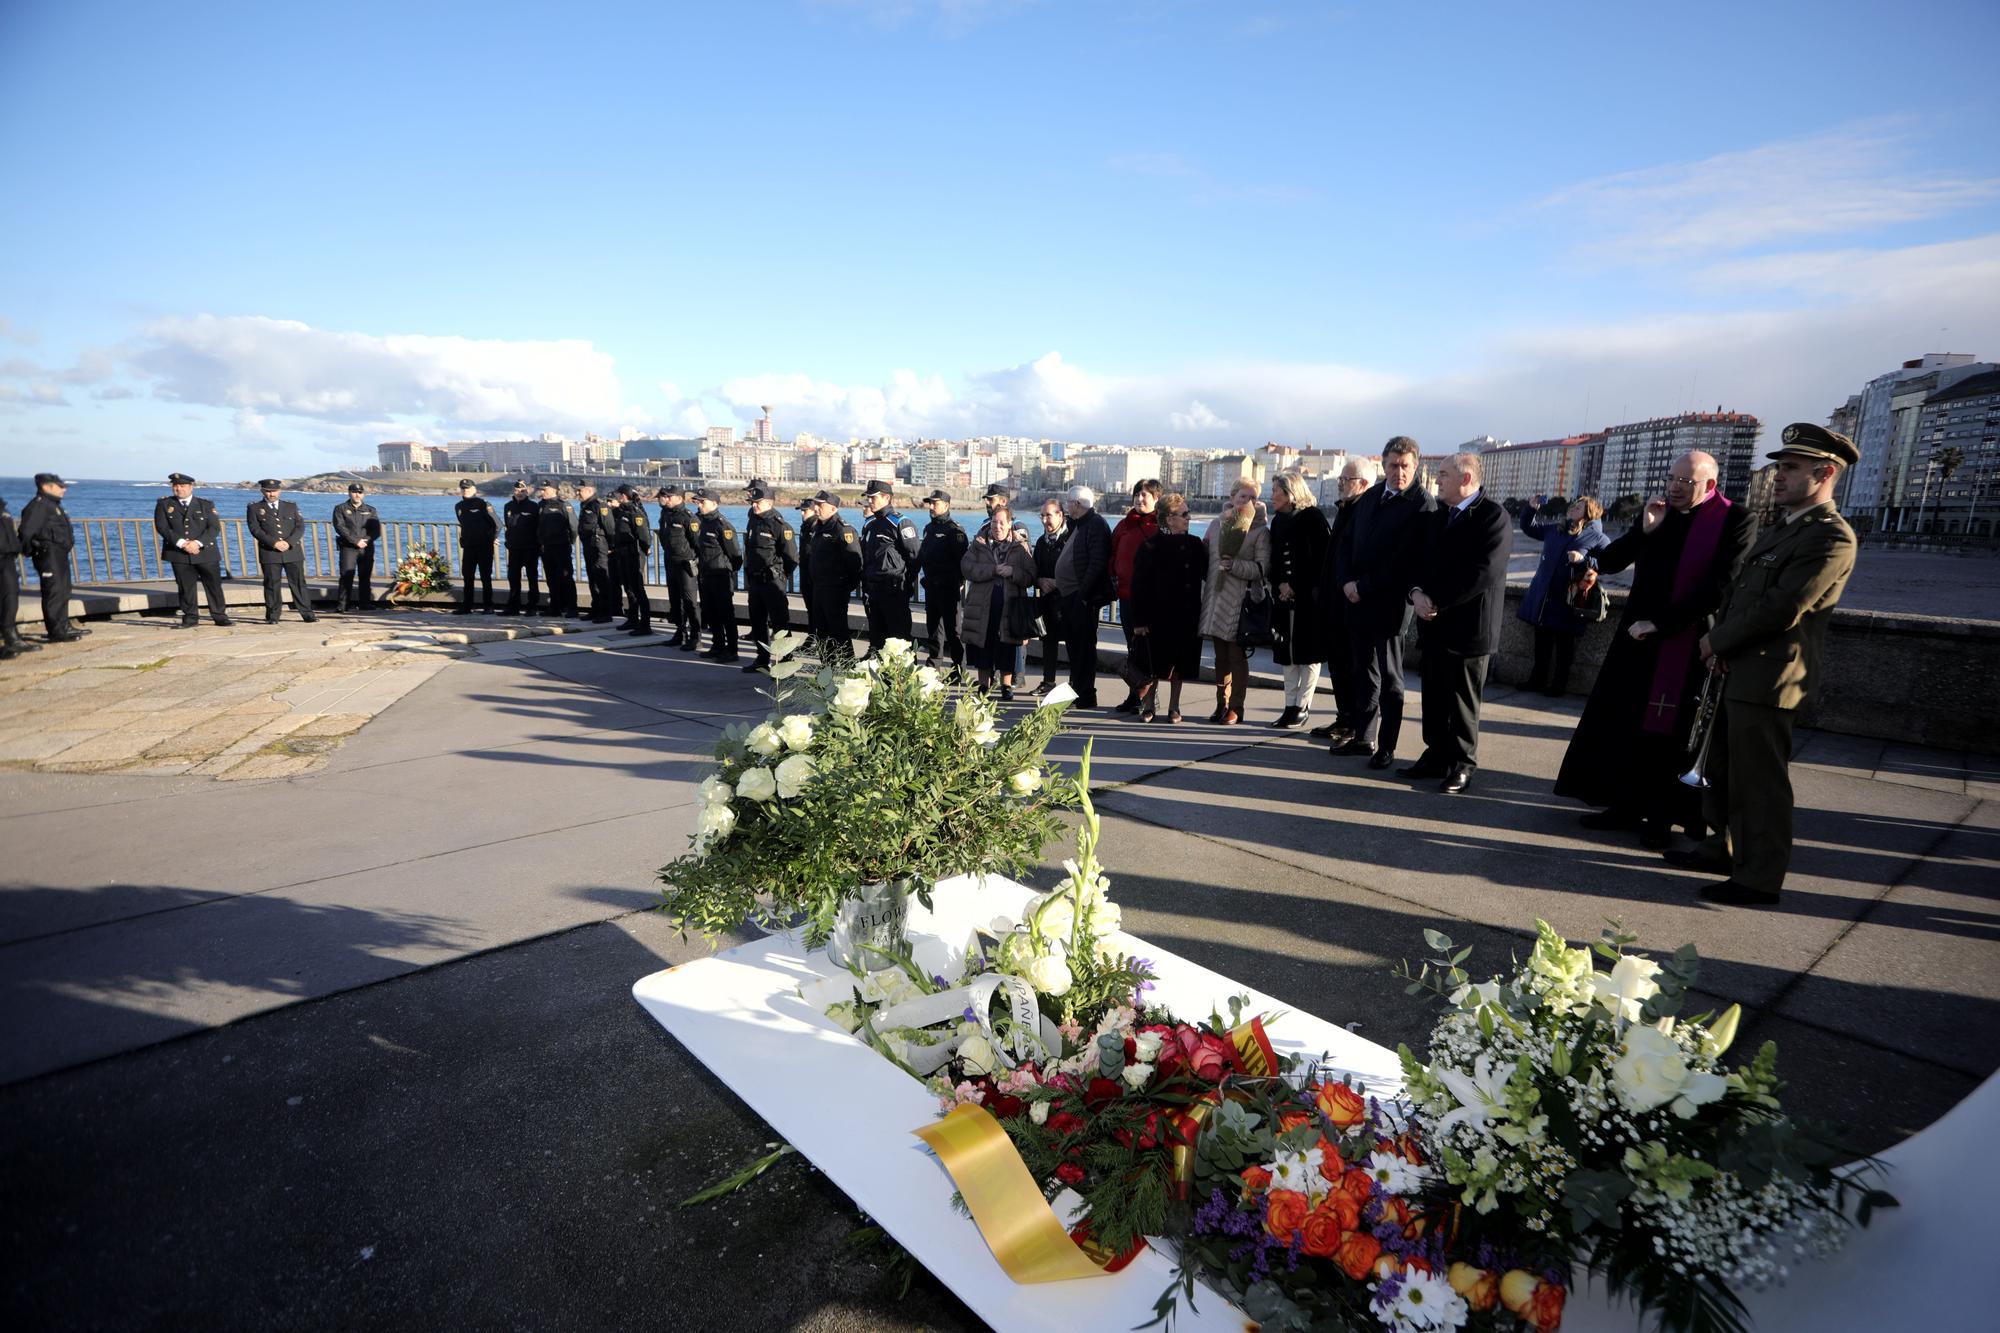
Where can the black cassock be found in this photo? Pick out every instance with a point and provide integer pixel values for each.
(1613, 759)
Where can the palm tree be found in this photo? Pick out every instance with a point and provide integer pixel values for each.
(1948, 460)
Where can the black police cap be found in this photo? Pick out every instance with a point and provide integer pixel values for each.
(826, 498)
(179, 479)
(465, 483)
(628, 492)
(996, 489)
(356, 488)
(1802, 439)
(270, 484)
(879, 487)
(49, 479)
(937, 495)
(757, 489)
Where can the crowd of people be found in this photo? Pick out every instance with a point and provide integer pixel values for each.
(1718, 640)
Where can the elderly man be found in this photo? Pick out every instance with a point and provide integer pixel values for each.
(1083, 583)
(1355, 478)
(1767, 641)
(1459, 598)
(1048, 554)
(1374, 562)
(1632, 741)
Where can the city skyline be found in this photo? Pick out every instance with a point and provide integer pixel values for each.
(279, 238)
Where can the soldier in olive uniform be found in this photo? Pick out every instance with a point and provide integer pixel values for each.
(281, 554)
(720, 557)
(356, 529)
(47, 539)
(680, 542)
(521, 520)
(593, 529)
(770, 555)
(835, 563)
(478, 527)
(888, 566)
(190, 541)
(938, 557)
(631, 543)
(555, 528)
(1766, 642)
(11, 642)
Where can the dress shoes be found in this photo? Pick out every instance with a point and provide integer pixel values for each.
(1380, 760)
(1694, 858)
(1613, 819)
(189, 624)
(1420, 770)
(1331, 731)
(641, 631)
(1456, 780)
(270, 620)
(1656, 837)
(70, 637)
(461, 610)
(308, 617)
(1731, 894)
(1354, 745)
(22, 646)
(755, 664)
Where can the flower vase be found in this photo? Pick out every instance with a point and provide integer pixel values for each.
(870, 920)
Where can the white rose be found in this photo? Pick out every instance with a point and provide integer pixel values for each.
(763, 739)
(1485, 993)
(757, 784)
(851, 698)
(1054, 915)
(714, 791)
(1146, 1046)
(1057, 697)
(794, 771)
(1136, 1075)
(1653, 1071)
(1026, 782)
(1038, 1112)
(714, 824)
(977, 1053)
(1106, 917)
(895, 648)
(930, 680)
(1628, 987)
(1050, 975)
(796, 731)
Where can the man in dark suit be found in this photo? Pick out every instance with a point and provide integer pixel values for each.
(555, 526)
(1375, 561)
(47, 539)
(478, 528)
(356, 529)
(1459, 596)
(594, 530)
(1355, 478)
(521, 523)
(1083, 581)
(189, 536)
(278, 528)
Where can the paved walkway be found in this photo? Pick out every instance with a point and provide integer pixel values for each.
(353, 1047)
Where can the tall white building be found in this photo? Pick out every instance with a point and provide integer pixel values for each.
(1569, 467)
(1115, 471)
(1638, 454)
(1884, 486)
(509, 455)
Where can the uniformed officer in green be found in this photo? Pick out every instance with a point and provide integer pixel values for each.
(719, 556)
(680, 536)
(631, 543)
(835, 563)
(770, 555)
(1767, 642)
(593, 531)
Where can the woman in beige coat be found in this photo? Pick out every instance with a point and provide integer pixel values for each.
(1239, 552)
(999, 568)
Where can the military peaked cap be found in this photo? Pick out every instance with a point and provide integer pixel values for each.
(179, 479)
(1802, 439)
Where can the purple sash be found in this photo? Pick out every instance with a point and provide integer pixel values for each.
(1677, 651)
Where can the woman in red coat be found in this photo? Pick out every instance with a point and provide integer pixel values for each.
(1139, 523)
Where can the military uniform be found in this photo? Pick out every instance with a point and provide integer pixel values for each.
(594, 529)
(1769, 633)
(834, 560)
(680, 538)
(888, 573)
(770, 557)
(631, 543)
(192, 520)
(719, 556)
(478, 528)
(356, 530)
(46, 538)
(521, 519)
(555, 528)
(271, 522)
(938, 562)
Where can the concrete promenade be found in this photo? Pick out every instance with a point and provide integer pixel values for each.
(348, 1043)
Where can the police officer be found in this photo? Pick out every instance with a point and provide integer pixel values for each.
(1767, 642)
(521, 519)
(356, 529)
(770, 557)
(11, 642)
(281, 554)
(680, 543)
(995, 494)
(888, 566)
(835, 563)
(719, 557)
(631, 543)
(190, 541)
(555, 529)
(944, 545)
(593, 529)
(478, 526)
(47, 539)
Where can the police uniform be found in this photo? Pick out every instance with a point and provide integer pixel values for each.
(770, 556)
(478, 528)
(594, 531)
(356, 530)
(808, 525)
(521, 520)
(1770, 633)
(631, 543)
(46, 538)
(680, 539)
(719, 556)
(192, 520)
(10, 585)
(834, 560)
(555, 527)
(271, 522)
(938, 563)
(888, 572)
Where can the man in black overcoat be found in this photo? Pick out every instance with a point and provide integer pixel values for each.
(190, 541)
(1376, 566)
(1459, 597)
(279, 530)
(1355, 478)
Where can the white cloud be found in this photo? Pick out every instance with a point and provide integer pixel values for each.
(1199, 416)
(10, 332)
(1842, 183)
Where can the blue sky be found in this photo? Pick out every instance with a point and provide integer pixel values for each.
(241, 237)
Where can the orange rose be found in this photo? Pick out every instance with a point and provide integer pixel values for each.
(1343, 1208)
(1358, 1184)
(1479, 1287)
(1292, 1120)
(1321, 1233)
(1255, 1180)
(1387, 1267)
(1286, 1213)
(1331, 1167)
(1545, 1312)
(1356, 1254)
(1517, 1290)
(1341, 1104)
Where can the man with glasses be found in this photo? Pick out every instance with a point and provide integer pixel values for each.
(1631, 743)
(1048, 551)
(1355, 479)
(1373, 572)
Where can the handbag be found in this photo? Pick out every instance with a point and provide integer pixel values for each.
(1022, 614)
(1253, 626)
(1587, 599)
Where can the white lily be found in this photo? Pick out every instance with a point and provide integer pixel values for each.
(1060, 695)
(1482, 1097)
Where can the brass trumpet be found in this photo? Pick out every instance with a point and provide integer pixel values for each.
(1705, 708)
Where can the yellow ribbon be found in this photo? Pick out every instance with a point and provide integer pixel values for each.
(1017, 1222)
